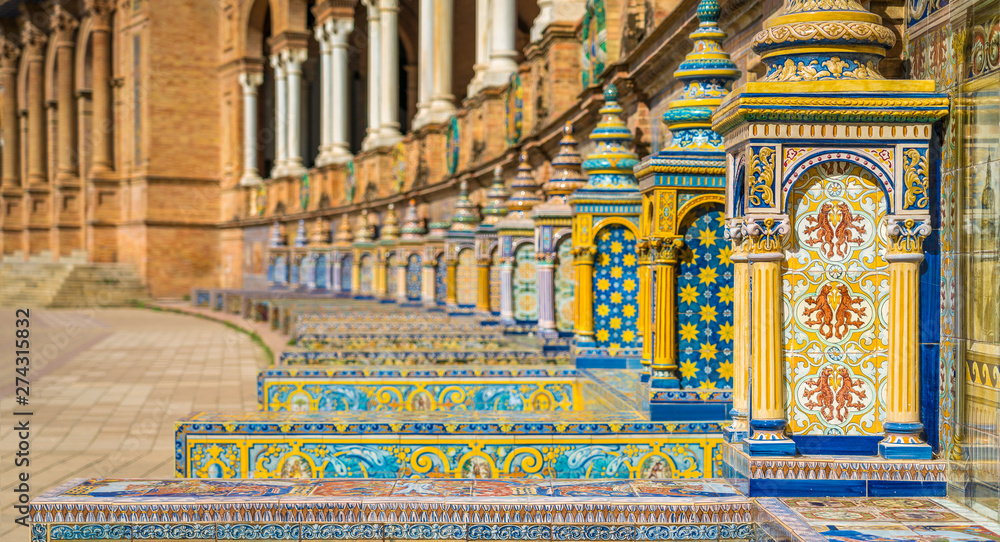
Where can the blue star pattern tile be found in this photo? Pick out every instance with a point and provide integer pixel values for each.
(440, 284)
(413, 277)
(705, 305)
(616, 290)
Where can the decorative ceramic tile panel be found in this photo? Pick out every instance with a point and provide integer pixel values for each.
(280, 270)
(836, 303)
(322, 270)
(440, 280)
(705, 303)
(467, 276)
(565, 287)
(403, 342)
(418, 357)
(616, 290)
(525, 284)
(366, 274)
(414, 277)
(442, 444)
(385, 394)
(391, 275)
(345, 272)
(495, 282)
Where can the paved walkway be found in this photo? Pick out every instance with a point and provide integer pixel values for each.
(106, 388)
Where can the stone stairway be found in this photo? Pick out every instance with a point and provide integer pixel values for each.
(67, 285)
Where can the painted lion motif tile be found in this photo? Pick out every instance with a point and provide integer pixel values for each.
(835, 302)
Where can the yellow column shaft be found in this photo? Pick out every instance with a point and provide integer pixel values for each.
(483, 300)
(767, 386)
(902, 396)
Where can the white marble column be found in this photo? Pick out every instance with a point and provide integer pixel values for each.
(280, 118)
(338, 31)
(442, 101)
(545, 273)
(389, 57)
(293, 69)
(250, 81)
(425, 82)
(325, 95)
(374, 72)
(507, 291)
(503, 50)
(482, 46)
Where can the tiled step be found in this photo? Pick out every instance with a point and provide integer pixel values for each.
(529, 510)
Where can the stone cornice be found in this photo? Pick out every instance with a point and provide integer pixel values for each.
(288, 40)
(334, 9)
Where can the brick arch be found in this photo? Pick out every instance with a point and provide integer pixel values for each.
(252, 27)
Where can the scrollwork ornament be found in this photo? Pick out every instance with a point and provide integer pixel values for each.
(906, 236)
(767, 235)
(761, 177)
(916, 179)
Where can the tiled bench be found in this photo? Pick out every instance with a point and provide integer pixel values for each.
(489, 444)
(442, 388)
(424, 357)
(402, 342)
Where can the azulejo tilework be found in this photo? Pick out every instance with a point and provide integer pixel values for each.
(318, 392)
(836, 295)
(417, 357)
(414, 267)
(395, 509)
(402, 342)
(616, 290)
(466, 278)
(367, 274)
(705, 304)
(525, 284)
(586, 444)
(565, 287)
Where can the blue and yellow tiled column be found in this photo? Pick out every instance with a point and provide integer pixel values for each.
(387, 273)
(516, 237)
(689, 268)
(742, 338)
(342, 251)
(410, 252)
(902, 413)
(487, 251)
(363, 270)
(605, 232)
(460, 249)
(828, 177)
(553, 239)
(767, 415)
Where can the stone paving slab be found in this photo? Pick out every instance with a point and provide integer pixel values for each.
(107, 386)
